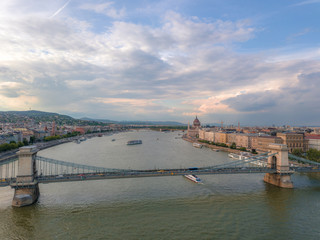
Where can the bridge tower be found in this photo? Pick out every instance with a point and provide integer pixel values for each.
(26, 187)
(280, 162)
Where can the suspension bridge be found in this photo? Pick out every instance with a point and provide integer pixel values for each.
(26, 170)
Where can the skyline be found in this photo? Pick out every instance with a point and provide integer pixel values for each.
(254, 62)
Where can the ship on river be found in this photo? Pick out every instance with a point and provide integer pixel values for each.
(197, 145)
(134, 142)
(193, 178)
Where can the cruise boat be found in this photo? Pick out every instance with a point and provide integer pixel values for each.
(197, 145)
(193, 178)
(134, 142)
(233, 155)
(241, 156)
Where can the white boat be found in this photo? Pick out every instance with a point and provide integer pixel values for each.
(241, 156)
(233, 155)
(197, 145)
(193, 178)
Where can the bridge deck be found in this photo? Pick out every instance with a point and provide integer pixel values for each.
(138, 174)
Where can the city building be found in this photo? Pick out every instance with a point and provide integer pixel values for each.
(261, 143)
(193, 131)
(313, 141)
(294, 141)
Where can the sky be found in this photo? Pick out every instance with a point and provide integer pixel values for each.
(253, 62)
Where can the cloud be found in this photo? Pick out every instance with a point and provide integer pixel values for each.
(178, 67)
(106, 9)
(254, 102)
(299, 34)
(286, 104)
(305, 3)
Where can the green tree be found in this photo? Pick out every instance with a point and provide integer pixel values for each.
(32, 139)
(233, 146)
(297, 152)
(242, 149)
(25, 142)
(313, 154)
(253, 151)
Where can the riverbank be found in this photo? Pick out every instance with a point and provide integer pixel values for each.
(214, 147)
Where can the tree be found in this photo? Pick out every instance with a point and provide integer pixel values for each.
(32, 139)
(242, 149)
(297, 152)
(25, 142)
(313, 154)
(233, 146)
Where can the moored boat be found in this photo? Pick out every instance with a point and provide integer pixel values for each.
(241, 156)
(193, 178)
(197, 145)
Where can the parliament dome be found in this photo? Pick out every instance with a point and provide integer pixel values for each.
(196, 122)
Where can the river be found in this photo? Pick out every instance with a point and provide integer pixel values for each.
(227, 206)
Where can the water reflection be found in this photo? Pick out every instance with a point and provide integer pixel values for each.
(22, 221)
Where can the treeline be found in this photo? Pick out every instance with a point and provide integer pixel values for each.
(232, 146)
(168, 128)
(312, 154)
(12, 145)
(57, 137)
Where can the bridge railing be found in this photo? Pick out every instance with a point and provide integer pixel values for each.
(50, 167)
(304, 160)
(245, 162)
(8, 168)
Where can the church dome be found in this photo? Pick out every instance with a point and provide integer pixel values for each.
(196, 122)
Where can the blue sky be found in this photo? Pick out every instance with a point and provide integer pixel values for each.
(256, 62)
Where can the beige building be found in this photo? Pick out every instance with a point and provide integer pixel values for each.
(207, 135)
(231, 138)
(294, 141)
(261, 143)
(220, 137)
(243, 140)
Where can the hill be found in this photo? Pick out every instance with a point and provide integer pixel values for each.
(152, 123)
(39, 116)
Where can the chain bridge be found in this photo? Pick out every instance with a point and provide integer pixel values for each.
(26, 170)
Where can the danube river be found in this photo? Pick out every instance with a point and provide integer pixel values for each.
(224, 207)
